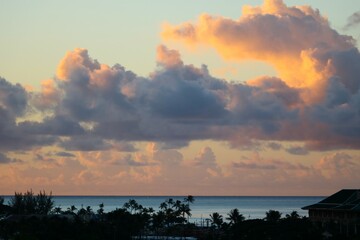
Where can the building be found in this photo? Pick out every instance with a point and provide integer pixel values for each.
(341, 210)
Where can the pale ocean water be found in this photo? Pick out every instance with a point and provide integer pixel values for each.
(250, 207)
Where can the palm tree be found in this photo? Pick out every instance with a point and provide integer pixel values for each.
(235, 217)
(89, 210)
(100, 211)
(185, 209)
(189, 199)
(216, 219)
(132, 206)
(273, 216)
(163, 205)
(293, 215)
(57, 210)
(72, 209)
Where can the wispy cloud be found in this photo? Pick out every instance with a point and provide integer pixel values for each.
(353, 21)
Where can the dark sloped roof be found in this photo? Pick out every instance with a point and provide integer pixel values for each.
(339, 197)
(346, 199)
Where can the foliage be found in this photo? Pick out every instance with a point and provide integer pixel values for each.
(134, 220)
(273, 216)
(216, 219)
(28, 203)
(235, 217)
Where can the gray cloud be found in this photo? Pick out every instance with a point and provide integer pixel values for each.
(56, 126)
(353, 21)
(6, 160)
(64, 154)
(297, 150)
(244, 165)
(274, 146)
(180, 103)
(135, 163)
(92, 106)
(13, 98)
(14, 104)
(85, 143)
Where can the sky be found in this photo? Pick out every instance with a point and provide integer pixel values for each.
(179, 97)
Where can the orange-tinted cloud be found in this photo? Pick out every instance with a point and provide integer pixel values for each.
(292, 39)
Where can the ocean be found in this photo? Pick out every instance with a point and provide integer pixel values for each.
(250, 207)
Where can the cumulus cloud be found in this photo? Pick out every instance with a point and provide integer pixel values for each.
(206, 159)
(14, 105)
(318, 74)
(295, 40)
(91, 106)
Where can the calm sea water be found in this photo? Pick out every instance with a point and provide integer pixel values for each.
(250, 207)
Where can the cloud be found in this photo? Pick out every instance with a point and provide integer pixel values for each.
(338, 164)
(168, 58)
(206, 159)
(297, 150)
(14, 105)
(91, 106)
(244, 165)
(318, 79)
(64, 154)
(124, 147)
(56, 125)
(139, 162)
(13, 98)
(275, 33)
(85, 143)
(274, 146)
(46, 162)
(6, 160)
(353, 21)
(48, 97)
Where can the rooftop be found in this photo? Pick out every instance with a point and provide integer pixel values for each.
(346, 199)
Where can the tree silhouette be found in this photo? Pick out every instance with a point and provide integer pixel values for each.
(293, 215)
(57, 210)
(44, 203)
(273, 216)
(235, 217)
(72, 209)
(216, 220)
(189, 199)
(27, 203)
(100, 211)
(132, 206)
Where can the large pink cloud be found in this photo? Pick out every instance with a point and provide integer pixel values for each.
(298, 41)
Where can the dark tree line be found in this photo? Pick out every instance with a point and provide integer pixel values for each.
(30, 216)
(28, 203)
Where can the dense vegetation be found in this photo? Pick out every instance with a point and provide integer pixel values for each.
(29, 216)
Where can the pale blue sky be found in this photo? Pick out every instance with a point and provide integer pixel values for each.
(35, 35)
